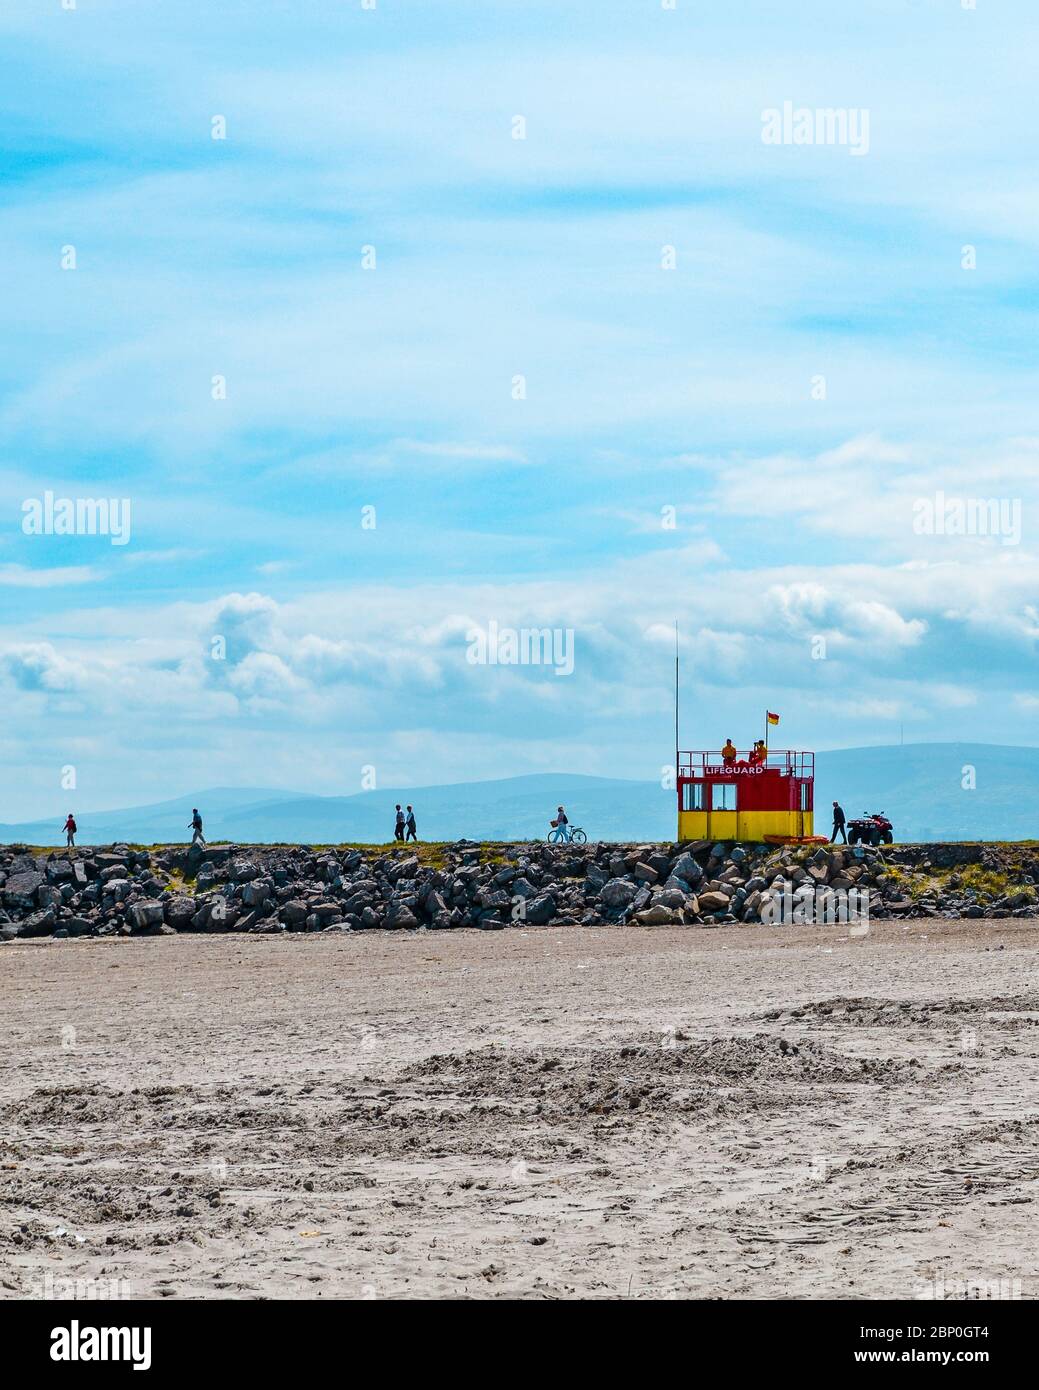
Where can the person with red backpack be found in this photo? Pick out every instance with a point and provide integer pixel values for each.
(70, 832)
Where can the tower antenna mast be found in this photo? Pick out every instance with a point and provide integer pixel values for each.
(676, 701)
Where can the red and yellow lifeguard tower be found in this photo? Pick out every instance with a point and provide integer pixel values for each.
(746, 797)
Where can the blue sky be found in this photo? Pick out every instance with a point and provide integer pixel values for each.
(391, 388)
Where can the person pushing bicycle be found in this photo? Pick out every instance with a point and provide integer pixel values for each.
(563, 833)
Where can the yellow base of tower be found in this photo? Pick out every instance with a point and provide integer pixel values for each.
(751, 826)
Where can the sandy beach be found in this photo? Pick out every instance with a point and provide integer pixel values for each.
(541, 1113)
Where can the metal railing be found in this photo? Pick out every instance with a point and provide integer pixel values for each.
(709, 762)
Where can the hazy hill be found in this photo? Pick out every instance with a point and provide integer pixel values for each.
(919, 786)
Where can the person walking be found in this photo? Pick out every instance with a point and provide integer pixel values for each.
(70, 831)
(838, 824)
(398, 829)
(197, 838)
(410, 823)
(559, 825)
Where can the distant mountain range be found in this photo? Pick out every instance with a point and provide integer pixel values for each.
(921, 786)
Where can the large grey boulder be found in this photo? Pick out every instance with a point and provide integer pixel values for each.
(658, 916)
(540, 910)
(1022, 898)
(40, 923)
(686, 867)
(156, 929)
(20, 888)
(671, 897)
(399, 915)
(179, 912)
(404, 868)
(293, 912)
(104, 861)
(256, 892)
(148, 913)
(617, 893)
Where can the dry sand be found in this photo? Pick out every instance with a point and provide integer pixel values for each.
(578, 1112)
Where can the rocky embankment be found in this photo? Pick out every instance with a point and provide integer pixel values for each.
(123, 891)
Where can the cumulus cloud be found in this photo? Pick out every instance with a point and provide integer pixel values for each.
(364, 671)
(265, 677)
(881, 622)
(38, 667)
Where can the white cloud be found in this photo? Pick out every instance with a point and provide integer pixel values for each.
(37, 667)
(22, 577)
(486, 453)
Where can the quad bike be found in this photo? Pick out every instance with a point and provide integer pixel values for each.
(871, 828)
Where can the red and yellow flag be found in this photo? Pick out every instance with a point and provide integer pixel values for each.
(772, 718)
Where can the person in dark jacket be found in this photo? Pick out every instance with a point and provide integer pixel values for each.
(70, 832)
(398, 829)
(197, 838)
(410, 823)
(838, 824)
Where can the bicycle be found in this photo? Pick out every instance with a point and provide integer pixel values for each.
(567, 834)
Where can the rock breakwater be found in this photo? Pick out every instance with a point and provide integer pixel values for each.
(129, 891)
